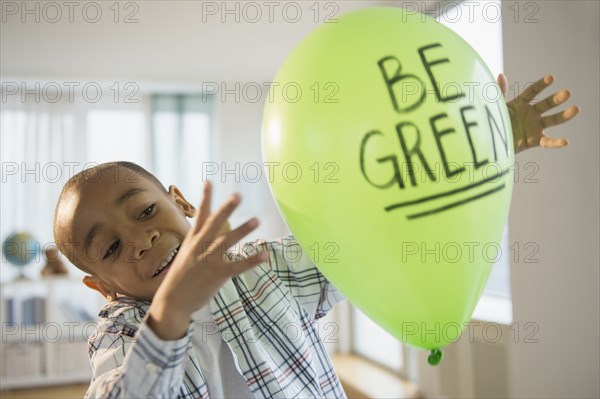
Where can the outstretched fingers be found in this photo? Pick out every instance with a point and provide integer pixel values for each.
(222, 243)
(552, 142)
(226, 241)
(560, 117)
(552, 101)
(204, 208)
(557, 119)
(214, 223)
(235, 235)
(239, 266)
(533, 90)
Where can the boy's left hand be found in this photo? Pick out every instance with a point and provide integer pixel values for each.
(526, 118)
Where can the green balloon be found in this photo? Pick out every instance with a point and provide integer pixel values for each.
(391, 160)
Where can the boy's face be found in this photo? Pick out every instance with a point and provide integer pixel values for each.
(123, 230)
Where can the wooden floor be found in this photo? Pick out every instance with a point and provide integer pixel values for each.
(58, 392)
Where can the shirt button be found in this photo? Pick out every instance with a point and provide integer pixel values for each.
(151, 368)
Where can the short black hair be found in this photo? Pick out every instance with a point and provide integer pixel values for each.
(131, 172)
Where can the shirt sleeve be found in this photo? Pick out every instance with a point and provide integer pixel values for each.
(306, 283)
(139, 365)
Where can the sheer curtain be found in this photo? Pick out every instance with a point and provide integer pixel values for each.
(39, 144)
(182, 141)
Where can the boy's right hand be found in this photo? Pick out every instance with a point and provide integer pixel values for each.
(200, 268)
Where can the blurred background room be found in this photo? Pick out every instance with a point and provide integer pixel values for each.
(179, 88)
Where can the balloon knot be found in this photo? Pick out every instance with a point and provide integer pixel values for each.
(435, 357)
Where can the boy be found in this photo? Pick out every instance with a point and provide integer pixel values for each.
(187, 319)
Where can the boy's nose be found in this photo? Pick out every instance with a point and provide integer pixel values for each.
(145, 243)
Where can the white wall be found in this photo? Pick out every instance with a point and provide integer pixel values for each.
(560, 212)
(238, 124)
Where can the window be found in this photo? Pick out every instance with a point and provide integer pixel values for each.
(375, 343)
(114, 135)
(182, 143)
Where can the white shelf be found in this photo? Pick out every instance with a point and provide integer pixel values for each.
(52, 351)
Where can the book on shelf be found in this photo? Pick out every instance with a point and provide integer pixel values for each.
(34, 310)
(11, 311)
(75, 313)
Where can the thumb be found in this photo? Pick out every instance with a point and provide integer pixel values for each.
(503, 83)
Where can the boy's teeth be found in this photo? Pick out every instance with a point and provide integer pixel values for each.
(166, 262)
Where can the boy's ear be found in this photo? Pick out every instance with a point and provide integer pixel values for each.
(187, 208)
(99, 285)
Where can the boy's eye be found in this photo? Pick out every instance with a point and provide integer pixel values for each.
(148, 211)
(111, 249)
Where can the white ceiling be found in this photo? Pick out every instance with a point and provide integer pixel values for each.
(175, 41)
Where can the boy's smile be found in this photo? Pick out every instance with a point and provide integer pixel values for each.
(125, 232)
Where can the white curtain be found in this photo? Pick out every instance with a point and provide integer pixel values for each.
(182, 143)
(39, 142)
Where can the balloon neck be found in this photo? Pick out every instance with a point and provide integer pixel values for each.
(435, 357)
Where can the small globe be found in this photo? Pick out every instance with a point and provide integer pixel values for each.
(20, 248)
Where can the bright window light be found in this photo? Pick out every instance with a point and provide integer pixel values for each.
(373, 342)
(117, 136)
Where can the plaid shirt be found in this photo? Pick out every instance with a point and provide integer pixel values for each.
(265, 315)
